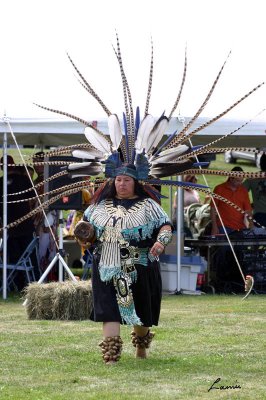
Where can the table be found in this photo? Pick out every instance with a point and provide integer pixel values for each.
(252, 242)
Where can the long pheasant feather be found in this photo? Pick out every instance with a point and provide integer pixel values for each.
(181, 87)
(128, 103)
(82, 121)
(150, 83)
(220, 115)
(88, 87)
(181, 134)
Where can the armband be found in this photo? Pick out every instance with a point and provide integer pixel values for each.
(164, 237)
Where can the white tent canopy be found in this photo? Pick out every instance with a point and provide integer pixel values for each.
(56, 132)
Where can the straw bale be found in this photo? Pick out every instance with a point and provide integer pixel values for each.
(67, 300)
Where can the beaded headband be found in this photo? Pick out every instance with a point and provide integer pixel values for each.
(126, 171)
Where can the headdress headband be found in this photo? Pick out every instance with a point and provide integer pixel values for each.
(126, 171)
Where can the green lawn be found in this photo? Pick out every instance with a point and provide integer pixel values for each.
(199, 339)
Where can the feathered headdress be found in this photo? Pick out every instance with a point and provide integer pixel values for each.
(141, 141)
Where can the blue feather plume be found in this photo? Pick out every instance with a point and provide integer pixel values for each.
(142, 166)
(111, 164)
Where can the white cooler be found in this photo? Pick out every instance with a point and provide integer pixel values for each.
(191, 266)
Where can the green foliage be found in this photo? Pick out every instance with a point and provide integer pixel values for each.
(199, 339)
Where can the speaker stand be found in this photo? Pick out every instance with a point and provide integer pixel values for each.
(59, 257)
(62, 263)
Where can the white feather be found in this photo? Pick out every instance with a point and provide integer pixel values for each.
(115, 131)
(90, 154)
(91, 171)
(74, 166)
(80, 175)
(156, 134)
(169, 154)
(97, 140)
(143, 133)
(85, 169)
(156, 171)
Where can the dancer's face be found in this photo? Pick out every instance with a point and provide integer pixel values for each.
(125, 186)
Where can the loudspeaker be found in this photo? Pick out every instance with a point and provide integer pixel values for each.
(68, 202)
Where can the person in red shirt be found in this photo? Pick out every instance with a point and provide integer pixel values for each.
(234, 191)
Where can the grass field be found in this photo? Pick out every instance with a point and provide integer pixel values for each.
(199, 339)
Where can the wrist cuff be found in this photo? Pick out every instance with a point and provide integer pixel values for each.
(164, 237)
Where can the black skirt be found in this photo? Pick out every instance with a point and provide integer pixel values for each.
(147, 294)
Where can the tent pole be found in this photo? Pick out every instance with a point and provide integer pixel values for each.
(4, 216)
(179, 233)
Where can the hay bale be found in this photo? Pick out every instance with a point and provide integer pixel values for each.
(67, 300)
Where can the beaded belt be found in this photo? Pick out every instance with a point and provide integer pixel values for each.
(130, 255)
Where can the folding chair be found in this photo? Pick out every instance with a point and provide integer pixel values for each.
(88, 264)
(23, 264)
